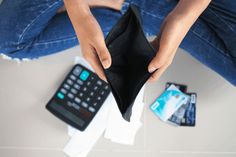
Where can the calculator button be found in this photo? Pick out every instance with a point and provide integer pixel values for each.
(80, 82)
(70, 95)
(63, 91)
(60, 95)
(106, 87)
(77, 71)
(99, 82)
(66, 86)
(91, 109)
(78, 100)
(81, 94)
(69, 103)
(102, 93)
(99, 98)
(95, 88)
(91, 94)
(92, 78)
(88, 99)
(76, 106)
(84, 104)
(88, 83)
(95, 104)
(74, 91)
(85, 89)
(76, 86)
(72, 77)
(70, 82)
(84, 75)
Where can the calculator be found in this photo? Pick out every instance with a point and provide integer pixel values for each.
(79, 97)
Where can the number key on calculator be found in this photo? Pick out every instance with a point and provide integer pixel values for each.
(79, 97)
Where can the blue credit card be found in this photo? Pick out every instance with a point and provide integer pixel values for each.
(168, 103)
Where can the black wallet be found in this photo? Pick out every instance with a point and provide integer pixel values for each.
(131, 53)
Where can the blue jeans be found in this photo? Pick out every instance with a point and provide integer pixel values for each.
(31, 29)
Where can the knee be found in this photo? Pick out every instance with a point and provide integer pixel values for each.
(8, 46)
(11, 30)
(8, 39)
(10, 43)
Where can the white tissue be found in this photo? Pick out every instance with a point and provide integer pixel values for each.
(119, 130)
(82, 142)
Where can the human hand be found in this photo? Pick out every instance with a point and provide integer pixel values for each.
(90, 35)
(173, 30)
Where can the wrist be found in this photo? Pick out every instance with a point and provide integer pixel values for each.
(77, 9)
(188, 11)
(183, 20)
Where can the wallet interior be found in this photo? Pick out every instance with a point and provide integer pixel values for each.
(131, 53)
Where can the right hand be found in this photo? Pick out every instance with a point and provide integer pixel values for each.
(90, 35)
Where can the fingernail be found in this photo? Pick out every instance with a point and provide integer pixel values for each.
(105, 63)
(151, 69)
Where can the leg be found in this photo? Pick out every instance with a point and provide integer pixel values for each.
(21, 21)
(201, 42)
(40, 30)
(215, 35)
(220, 16)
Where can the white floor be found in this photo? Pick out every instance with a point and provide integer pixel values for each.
(28, 130)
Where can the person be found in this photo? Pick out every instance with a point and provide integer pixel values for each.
(205, 29)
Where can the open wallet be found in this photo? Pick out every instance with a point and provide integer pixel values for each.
(131, 54)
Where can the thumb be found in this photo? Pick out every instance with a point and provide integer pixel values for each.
(103, 55)
(158, 61)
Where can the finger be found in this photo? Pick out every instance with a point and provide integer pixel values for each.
(94, 62)
(158, 61)
(164, 44)
(156, 75)
(166, 52)
(103, 54)
(92, 58)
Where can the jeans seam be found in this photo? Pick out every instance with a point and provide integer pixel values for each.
(59, 40)
(30, 24)
(54, 41)
(148, 13)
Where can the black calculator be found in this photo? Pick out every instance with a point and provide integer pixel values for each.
(79, 97)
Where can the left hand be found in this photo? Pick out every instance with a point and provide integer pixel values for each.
(173, 30)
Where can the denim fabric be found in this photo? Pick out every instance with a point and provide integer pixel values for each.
(31, 29)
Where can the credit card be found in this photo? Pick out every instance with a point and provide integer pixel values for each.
(189, 118)
(177, 117)
(181, 87)
(168, 102)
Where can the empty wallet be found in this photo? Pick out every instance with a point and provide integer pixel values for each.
(131, 53)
